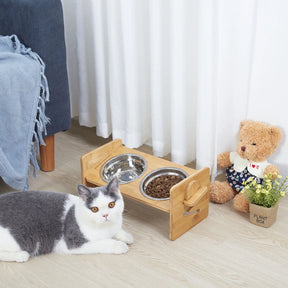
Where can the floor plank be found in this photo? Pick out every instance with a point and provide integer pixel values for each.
(224, 250)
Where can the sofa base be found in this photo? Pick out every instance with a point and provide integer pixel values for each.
(47, 154)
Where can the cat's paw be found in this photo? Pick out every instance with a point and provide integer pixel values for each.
(128, 238)
(22, 256)
(120, 247)
(18, 256)
(125, 237)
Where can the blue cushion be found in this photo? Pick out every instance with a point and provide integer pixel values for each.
(39, 25)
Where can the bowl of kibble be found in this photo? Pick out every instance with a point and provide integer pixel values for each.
(156, 185)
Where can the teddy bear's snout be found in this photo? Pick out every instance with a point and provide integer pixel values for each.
(243, 148)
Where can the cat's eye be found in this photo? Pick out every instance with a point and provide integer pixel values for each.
(94, 209)
(111, 204)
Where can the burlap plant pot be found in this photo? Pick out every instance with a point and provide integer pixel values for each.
(263, 216)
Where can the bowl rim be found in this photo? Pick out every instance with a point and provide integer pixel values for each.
(117, 156)
(155, 171)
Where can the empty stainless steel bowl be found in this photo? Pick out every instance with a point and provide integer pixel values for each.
(127, 167)
(160, 172)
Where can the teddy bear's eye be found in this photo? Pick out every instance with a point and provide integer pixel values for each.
(254, 144)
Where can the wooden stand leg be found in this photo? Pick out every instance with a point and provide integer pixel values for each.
(189, 203)
(47, 154)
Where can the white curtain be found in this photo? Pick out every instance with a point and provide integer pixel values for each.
(179, 74)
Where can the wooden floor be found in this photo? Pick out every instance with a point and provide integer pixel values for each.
(224, 250)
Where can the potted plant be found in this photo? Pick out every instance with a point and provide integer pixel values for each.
(264, 196)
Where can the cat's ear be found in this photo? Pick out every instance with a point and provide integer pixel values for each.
(83, 192)
(113, 186)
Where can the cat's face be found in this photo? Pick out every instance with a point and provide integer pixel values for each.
(103, 204)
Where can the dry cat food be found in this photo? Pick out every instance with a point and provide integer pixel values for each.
(160, 186)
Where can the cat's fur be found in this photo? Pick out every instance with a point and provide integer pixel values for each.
(35, 222)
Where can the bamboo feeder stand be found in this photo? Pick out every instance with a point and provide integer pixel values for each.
(189, 199)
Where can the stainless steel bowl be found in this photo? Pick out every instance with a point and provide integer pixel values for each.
(160, 172)
(127, 167)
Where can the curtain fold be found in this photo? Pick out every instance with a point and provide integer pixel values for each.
(179, 74)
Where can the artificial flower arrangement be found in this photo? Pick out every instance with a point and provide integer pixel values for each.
(268, 193)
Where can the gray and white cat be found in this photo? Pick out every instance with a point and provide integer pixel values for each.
(35, 222)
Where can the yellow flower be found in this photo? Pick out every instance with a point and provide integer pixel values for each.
(264, 191)
(279, 176)
(250, 179)
(282, 193)
(268, 186)
(258, 191)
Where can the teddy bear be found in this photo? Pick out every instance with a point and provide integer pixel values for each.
(256, 142)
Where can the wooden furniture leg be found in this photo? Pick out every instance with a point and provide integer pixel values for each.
(47, 154)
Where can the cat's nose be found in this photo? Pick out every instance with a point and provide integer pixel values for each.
(105, 215)
(243, 148)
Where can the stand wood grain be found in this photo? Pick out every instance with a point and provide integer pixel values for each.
(189, 199)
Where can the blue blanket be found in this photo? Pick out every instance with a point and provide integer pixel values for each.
(23, 92)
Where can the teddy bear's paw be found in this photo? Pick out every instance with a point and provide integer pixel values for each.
(221, 192)
(241, 203)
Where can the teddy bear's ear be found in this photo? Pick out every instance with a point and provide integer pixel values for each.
(276, 135)
(244, 122)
